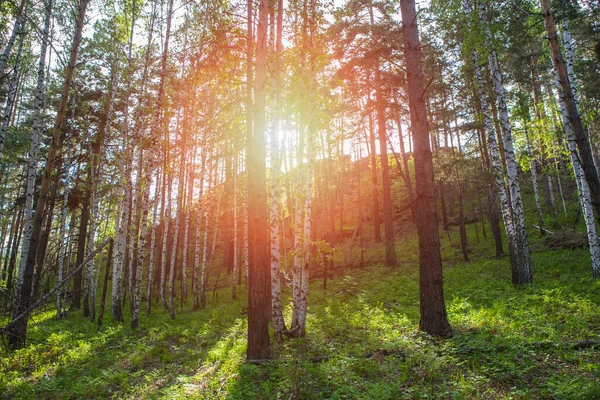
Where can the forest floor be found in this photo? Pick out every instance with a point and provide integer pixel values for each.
(362, 342)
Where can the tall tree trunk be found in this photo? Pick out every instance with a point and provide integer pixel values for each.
(585, 201)
(154, 228)
(14, 251)
(433, 309)
(521, 273)
(18, 331)
(199, 212)
(275, 187)
(258, 274)
(532, 167)
(34, 151)
(96, 161)
(12, 94)
(374, 181)
(568, 98)
(165, 232)
(234, 272)
(388, 221)
(491, 192)
(152, 160)
(16, 30)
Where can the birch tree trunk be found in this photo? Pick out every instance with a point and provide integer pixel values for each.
(275, 188)
(199, 209)
(16, 30)
(152, 159)
(62, 253)
(34, 150)
(166, 226)
(12, 94)
(207, 206)
(521, 273)
(536, 194)
(496, 165)
(152, 257)
(585, 201)
(96, 170)
(178, 212)
(570, 102)
(18, 331)
(234, 272)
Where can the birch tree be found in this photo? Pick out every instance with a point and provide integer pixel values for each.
(521, 271)
(17, 333)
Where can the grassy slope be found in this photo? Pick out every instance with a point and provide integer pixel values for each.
(200, 354)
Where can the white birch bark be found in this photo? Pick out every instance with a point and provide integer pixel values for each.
(522, 273)
(91, 273)
(62, 252)
(153, 242)
(496, 167)
(163, 263)
(216, 225)
(585, 200)
(298, 252)
(274, 194)
(569, 59)
(178, 211)
(534, 183)
(234, 273)
(199, 214)
(154, 130)
(34, 148)
(308, 196)
(186, 230)
(16, 30)
(246, 227)
(203, 276)
(12, 94)
(552, 198)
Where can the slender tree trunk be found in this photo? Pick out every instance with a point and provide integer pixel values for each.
(234, 272)
(568, 98)
(34, 151)
(199, 212)
(521, 273)
(14, 250)
(154, 227)
(45, 236)
(109, 258)
(16, 30)
(433, 309)
(532, 167)
(275, 187)
(165, 232)
(375, 183)
(585, 200)
(12, 94)
(17, 333)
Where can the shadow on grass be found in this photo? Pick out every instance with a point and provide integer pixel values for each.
(73, 359)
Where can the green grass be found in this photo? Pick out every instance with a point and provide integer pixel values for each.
(372, 310)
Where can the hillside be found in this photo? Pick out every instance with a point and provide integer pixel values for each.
(362, 340)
